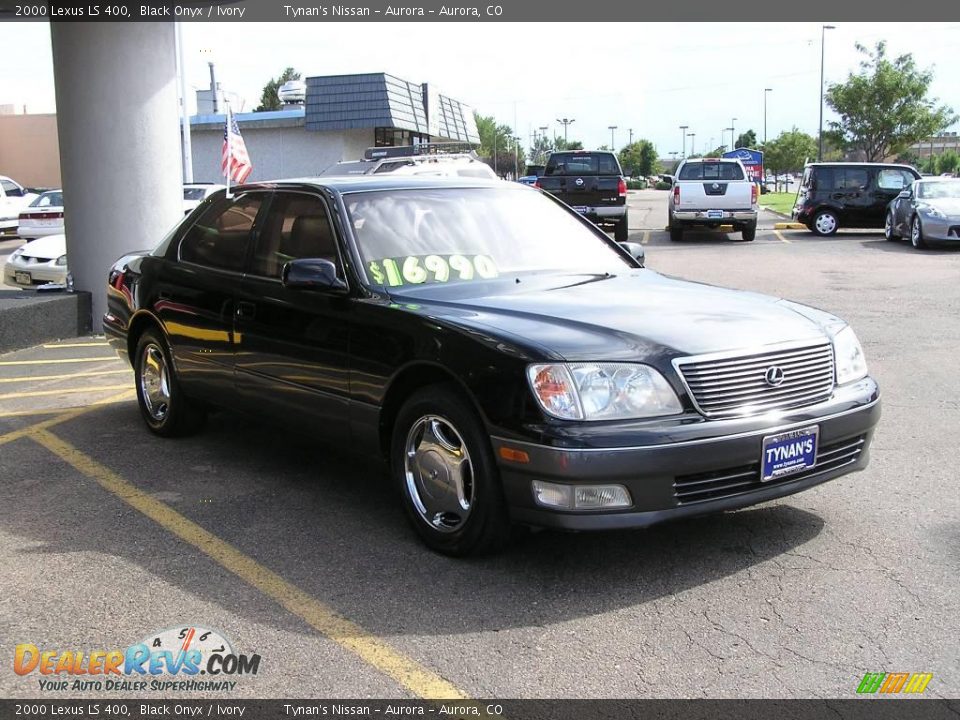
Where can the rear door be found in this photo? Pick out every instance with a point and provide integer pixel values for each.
(293, 343)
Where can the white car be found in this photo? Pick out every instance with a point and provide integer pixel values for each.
(44, 216)
(38, 262)
(196, 193)
(13, 198)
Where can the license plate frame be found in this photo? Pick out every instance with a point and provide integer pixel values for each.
(582, 209)
(714, 214)
(21, 277)
(773, 467)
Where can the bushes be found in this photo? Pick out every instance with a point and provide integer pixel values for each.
(662, 185)
(636, 184)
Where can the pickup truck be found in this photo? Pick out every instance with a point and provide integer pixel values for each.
(592, 183)
(13, 198)
(712, 192)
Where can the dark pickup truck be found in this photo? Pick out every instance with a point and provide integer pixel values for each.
(592, 184)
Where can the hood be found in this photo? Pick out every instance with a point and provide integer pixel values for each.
(49, 247)
(637, 315)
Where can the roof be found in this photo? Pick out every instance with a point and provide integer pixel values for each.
(860, 164)
(385, 181)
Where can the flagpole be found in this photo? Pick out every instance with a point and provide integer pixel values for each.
(229, 151)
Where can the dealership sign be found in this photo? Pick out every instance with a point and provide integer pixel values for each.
(752, 160)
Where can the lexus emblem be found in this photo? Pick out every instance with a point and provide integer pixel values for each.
(579, 182)
(774, 376)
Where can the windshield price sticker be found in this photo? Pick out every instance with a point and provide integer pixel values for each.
(419, 269)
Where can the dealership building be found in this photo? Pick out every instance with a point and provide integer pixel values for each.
(340, 117)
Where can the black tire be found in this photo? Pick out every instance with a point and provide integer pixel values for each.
(482, 527)
(888, 228)
(676, 233)
(749, 232)
(825, 223)
(620, 231)
(163, 405)
(916, 234)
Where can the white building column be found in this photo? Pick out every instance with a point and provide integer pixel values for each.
(117, 115)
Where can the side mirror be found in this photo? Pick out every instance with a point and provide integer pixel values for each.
(312, 274)
(635, 250)
(904, 194)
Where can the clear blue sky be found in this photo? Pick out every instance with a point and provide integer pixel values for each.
(660, 75)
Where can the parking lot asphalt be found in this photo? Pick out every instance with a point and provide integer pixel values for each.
(299, 552)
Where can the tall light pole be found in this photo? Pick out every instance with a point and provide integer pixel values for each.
(765, 91)
(693, 147)
(611, 128)
(733, 140)
(823, 37)
(565, 122)
(731, 137)
(516, 157)
(630, 130)
(683, 151)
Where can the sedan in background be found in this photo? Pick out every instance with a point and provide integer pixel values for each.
(38, 262)
(928, 211)
(44, 216)
(511, 362)
(196, 193)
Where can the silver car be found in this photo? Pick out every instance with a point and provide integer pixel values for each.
(928, 211)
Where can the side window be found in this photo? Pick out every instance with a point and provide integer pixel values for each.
(221, 236)
(856, 179)
(297, 226)
(893, 179)
(11, 189)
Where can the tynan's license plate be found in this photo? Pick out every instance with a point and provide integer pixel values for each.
(789, 453)
(715, 214)
(582, 209)
(23, 278)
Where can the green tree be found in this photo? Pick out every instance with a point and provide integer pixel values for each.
(640, 158)
(746, 140)
(497, 146)
(885, 108)
(948, 162)
(540, 149)
(789, 151)
(717, 151)
(268, 98)
(560, 144)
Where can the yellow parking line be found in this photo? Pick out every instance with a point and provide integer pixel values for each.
(75, 345)
(789, 226)
(407, 672)
(782, 238)
(62, 415)
(646, 237)
(59, 361)
(95, 373)
(64, 391)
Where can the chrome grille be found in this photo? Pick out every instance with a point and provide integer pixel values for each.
(728, 386)
(736, 481)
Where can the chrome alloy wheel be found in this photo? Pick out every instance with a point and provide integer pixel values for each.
(154, 382)
(825, 223)
(439, 473)
(916, 233)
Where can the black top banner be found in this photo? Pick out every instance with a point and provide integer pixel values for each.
(533, 11)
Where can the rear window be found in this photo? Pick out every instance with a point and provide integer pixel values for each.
(711, 171)
(582, 164)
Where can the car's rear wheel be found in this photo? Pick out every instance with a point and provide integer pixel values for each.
(444, 468)
(749, 232)
(825, 223)
(163, 405)
(676, 232)
(888, 228)
(916, 234)
(620, 231)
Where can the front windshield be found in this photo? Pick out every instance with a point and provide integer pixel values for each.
(446, 235)
(938, 190)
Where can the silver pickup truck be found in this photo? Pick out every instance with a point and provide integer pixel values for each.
(712, 192)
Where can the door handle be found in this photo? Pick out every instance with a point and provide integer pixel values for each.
(246, 310)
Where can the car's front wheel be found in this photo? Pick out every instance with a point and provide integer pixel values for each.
(889, 231)
(825, 223)
(443, 465)
(163, 405)
(916, 234)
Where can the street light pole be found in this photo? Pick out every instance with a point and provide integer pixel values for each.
(765, 91)
(733, 136)
(611, 128)
(631, 135)
(516, 157)
(823, 37)
(693, 147)
(683, 151)
(565, 122)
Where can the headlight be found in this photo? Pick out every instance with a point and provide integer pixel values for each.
(933, 212)
(62, 260)
(16, 253)
(602, 391)
(848, 356)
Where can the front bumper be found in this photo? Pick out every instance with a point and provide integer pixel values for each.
(940, 229)
(691, 468)
(41, 273)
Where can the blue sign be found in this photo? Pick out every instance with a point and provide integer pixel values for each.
(752, 161)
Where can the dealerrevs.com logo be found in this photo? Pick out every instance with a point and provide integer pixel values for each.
(183, 658)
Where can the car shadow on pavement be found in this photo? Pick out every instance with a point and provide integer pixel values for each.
(332, 525)
(904, 246)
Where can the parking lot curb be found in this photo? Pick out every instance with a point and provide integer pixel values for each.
(789, 226)
(30, 318)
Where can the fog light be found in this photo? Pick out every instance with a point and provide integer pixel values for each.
(580, 497)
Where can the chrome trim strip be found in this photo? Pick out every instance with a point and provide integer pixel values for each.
(682, 443)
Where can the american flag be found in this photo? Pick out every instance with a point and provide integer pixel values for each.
(234, 162)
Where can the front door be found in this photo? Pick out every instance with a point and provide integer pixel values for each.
(292, 343)
(888, 185)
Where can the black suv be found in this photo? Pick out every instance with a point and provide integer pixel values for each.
(850, 195)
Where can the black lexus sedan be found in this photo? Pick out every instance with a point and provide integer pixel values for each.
(512, 363)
